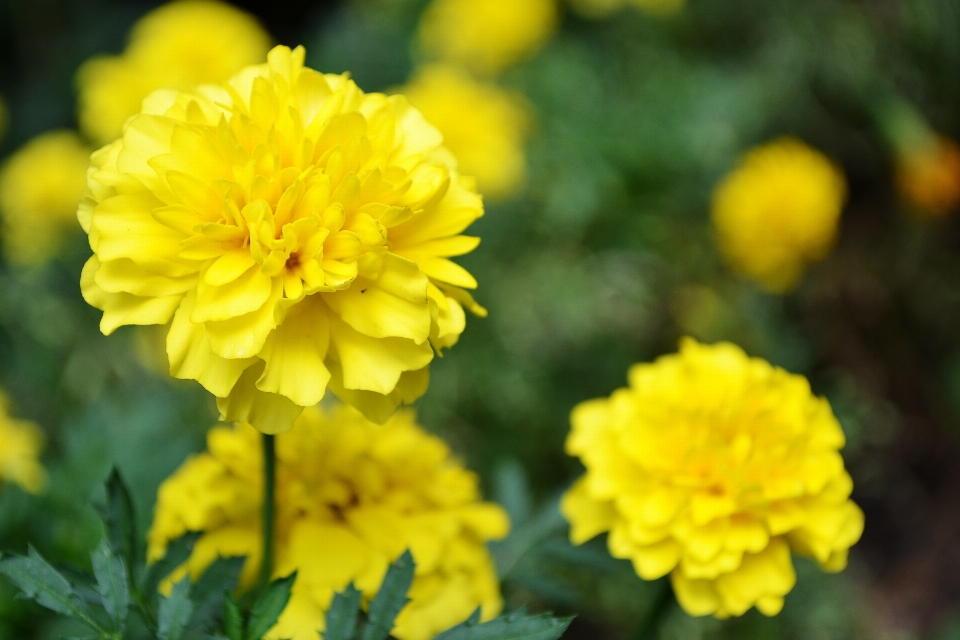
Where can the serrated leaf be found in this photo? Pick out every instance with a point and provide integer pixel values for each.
(174, 611)
(268, 607)
(472, 621)
(39, 581)
(390, 599)
(177, 553)
(510, 627)
(112, 585)
(120, 519)
(207, 593)
(342, 614)
(232, 618)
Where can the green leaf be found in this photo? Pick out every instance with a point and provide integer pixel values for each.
(177, 553)
(42, 583)
(174, 611)
(207, 593)
(390, 599)
(342, 614)
(268, 607)
(515, 626)
(232, 618)
(112, 583)
(120, 519)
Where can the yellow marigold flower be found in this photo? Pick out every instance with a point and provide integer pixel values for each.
(297, 233)
(21, 443)
(603, 8)
(484, 126)
(352, 495)
(778, 212)
(711, 467)
(40, 186)
(929, 177)
(178, 46)
(486, 36)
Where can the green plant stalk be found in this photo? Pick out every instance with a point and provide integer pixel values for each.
(659, 610)
(269, 501)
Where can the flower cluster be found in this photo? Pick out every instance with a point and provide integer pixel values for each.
(180, 45)
(294, 230)
(351, 496)
(604, 8)
(483, 125)
(21, 443)
(778, 212)
(40, 186)
(711, 467)
(928, 176)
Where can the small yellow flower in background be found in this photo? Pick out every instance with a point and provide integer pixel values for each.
(351, 496)
(603, 8)
(778, 212)
(21, 443)
(711, 467)
(484, 126)
(928, 176)
(178, 46)
(296, 232)
(40, 186)
(486, 36)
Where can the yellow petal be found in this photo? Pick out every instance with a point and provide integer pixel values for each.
(375, 364)
(294, 355)
(267, 412)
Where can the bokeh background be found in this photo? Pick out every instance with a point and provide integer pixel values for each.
(601, 255)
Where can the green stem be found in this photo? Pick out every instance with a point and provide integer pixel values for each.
(269, 491)
(660, 607)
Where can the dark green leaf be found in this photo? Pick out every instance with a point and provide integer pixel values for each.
(120, 519)
(515, 626)
(268, 607)
(342, 614)
(41, 582)
(207, 593)
(232, 619)
(390, 599)
(174, 611)
(177, 553)
(112, 583)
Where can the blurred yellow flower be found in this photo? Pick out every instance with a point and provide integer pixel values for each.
(778, 212)
(178, 46)
(351, 497)
(711, 467)
(21, 443)
(603, 8)
(486, 36)
(484, 126)
(929, 177)
(40, 186)
(297, 233)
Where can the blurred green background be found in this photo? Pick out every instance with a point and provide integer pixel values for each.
(603, 259)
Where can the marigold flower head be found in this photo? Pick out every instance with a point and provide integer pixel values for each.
(351, 496)
(711, 466)
(40, 186)
(177, 46)
(297, 233)
(778, 211)
(602, 8)
(484, 126)
(928, 176)
(486, 36)
(21, 443)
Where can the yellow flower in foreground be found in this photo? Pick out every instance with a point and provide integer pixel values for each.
(40, 186)
(178, 46)
(604, 8)
(20, 445)
(929, 177)
(294, 229)
(483, 125)
(486, 36)
(778, 212)
(711, 467)
(351, 497)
